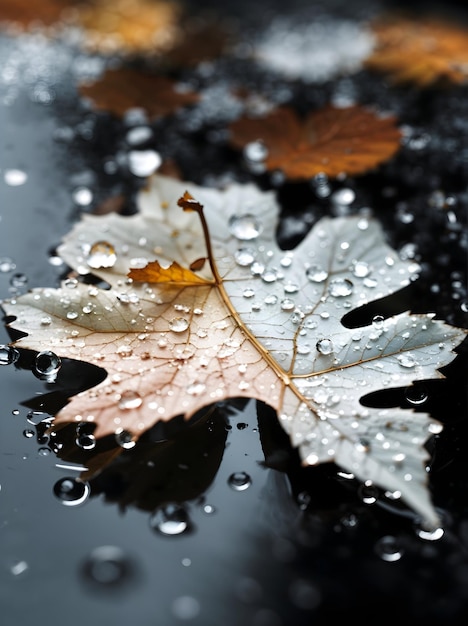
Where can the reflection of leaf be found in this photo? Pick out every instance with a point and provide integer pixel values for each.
(153, 472)
(128, 26)
(332, 140)
(421, 51)
(261, 323)
(119, 90)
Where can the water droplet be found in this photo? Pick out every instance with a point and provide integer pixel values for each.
(47, 365)
(416, 395)
(124, 439)
(287, 304)
(7, 265)
(14, 177)
(196, 389)
(324, 346)
(255, 151)
(28, 433)
(186, 608)
(170, 519)
(388, 549)
(86, 441)
(248, 293)
(368, 493)
(257, 268)
(239, 481)
(82, 196)
(138, 135)
(407, 360)
(244, 256)
(101, 255)
(291, 288)
(378, 322)
(71, 491)
(72, 315)
(316, 274)
(8, 355)
(271, 299)
(19, 567)
(340, 287)
(179, 324)
(360, 269)
(269, 276)
(343, 197)
(143, 163)
(245, 227)
(107, 566)
(18, 280)
(429, 533)
(130, 399)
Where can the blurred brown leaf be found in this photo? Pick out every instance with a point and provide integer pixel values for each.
(421, 51)
(121, 89)
(128, 26)
(331, 140)
(25, 13)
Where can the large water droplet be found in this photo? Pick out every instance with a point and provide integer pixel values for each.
(416, 395)
(340, 287)
(101, 255)
(8, 355)
(255, 151)
(47, 365)
(245, 227)
(239, 481)
(360, 269)
(179, 324)
(324, 346)
(86, 441)
(125, 439)
(143, 163)
(170, 519)
(71, 491)
(15, 177)
(407, 360)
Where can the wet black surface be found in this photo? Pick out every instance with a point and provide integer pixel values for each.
(297, 546)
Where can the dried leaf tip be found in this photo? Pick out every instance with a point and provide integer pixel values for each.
(188, 203)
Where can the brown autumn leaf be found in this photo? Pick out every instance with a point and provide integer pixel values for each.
(424, 51)
(332, 140)
(124, 88)
(26, 14)
(176, 334)
(129, 27)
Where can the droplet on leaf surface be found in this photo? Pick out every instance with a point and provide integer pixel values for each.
(101, 255)
(245, 227)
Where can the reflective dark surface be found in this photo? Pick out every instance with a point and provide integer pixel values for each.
(215, 522)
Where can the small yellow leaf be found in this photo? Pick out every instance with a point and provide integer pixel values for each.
(174, 274)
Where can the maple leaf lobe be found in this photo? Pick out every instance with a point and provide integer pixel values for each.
(331, 141)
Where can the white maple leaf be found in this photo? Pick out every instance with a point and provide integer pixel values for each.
(252, 320)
